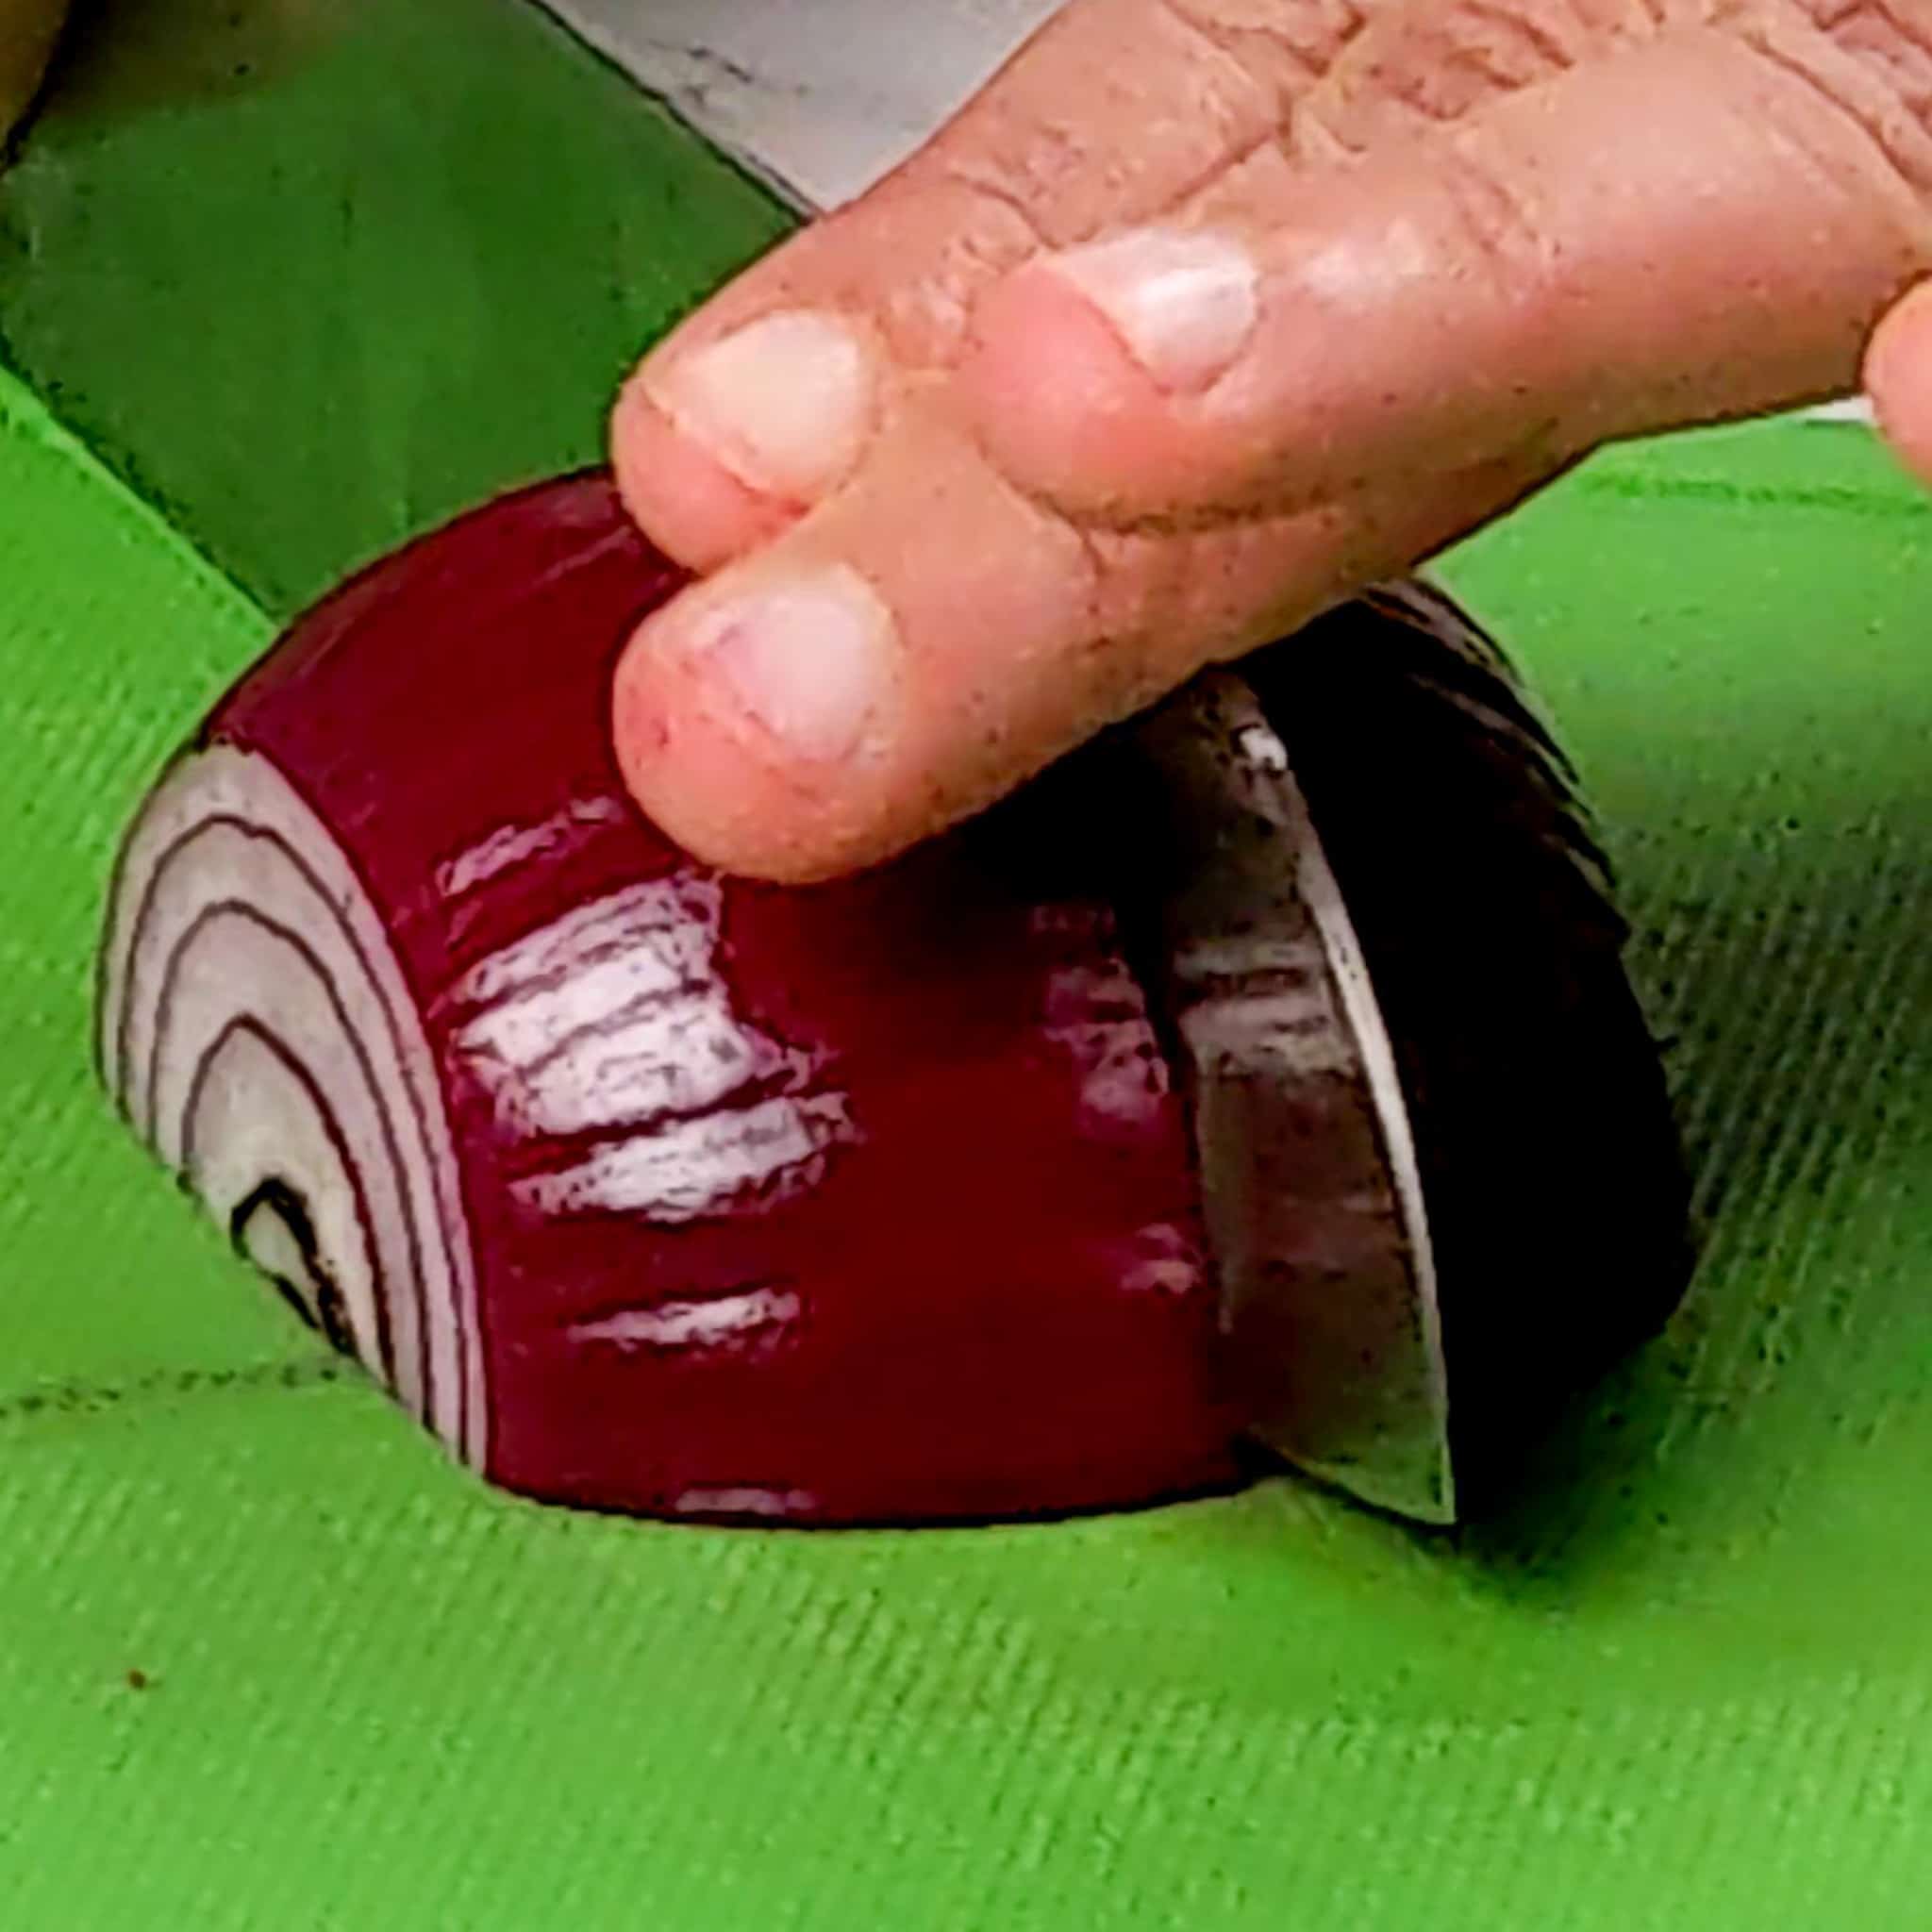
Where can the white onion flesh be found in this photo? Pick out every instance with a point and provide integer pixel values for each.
(256, 1028)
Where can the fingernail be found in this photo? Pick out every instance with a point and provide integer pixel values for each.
(1184, 301)
(810, 660)
(785, 404)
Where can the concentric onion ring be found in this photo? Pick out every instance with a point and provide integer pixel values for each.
(257, 1031)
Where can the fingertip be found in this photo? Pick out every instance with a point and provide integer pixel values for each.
(705, 777)
(685, 776)
(1898, 378)
(680, 495)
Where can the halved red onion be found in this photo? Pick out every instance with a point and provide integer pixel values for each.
(1020, 1176)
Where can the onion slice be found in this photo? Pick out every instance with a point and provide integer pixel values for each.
(257, 1029)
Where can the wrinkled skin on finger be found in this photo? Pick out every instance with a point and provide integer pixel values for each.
(1202, 314)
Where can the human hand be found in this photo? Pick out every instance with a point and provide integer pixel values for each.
(972, 484)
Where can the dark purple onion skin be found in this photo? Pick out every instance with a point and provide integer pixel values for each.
(990, 1296)
(1558, 1201)
(974, 1332)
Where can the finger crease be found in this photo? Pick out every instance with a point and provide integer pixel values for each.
(1900, 136)
(1094, 561)
(1002, 195)
(1224, 165)
(1494, 217)
(1521, 26)
(1237, 44)
(1897, 39)
(1332, 140)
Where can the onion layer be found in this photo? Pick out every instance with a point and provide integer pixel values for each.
(1037, 1171)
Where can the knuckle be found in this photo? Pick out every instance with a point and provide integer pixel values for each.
(1865, 63)
(1433, 61)
(1283, 45)
(912, 256)
(1489, 222)
(1005, 200)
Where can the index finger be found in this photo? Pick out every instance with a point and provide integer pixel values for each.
(1704, 226)
(763, 402)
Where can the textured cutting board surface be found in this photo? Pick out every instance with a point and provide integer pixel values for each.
(1684, 1682)
(315, 277)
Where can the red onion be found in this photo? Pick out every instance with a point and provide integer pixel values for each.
(1017, 1178)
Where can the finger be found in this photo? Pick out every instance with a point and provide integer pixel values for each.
(1898, 378)
(928, 639)
(1702, 228)
(765, 401)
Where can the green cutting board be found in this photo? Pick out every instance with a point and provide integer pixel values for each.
(267, 1660)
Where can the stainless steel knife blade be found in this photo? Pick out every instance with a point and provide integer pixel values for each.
(1312, 1190)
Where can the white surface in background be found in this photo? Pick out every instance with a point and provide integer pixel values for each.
(821, 97)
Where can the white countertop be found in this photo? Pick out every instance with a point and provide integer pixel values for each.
(818, 96)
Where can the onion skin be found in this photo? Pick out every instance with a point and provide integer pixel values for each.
(1265, 1074)
(1559, 1203)
(985, 1295)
